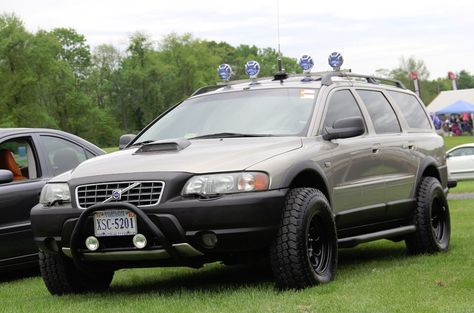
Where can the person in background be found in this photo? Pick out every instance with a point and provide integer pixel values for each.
(456, 128)
(437, 123)
(447, 126)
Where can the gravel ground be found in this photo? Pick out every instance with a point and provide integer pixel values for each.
(467, 195)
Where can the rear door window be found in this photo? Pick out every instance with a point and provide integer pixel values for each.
(381, 112)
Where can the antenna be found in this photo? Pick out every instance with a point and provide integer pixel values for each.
(280, 75)
(278, 27)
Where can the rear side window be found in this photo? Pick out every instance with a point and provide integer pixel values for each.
(63, 155)
(411, 110)
(341, 105)
(462, 152)
(381, 112)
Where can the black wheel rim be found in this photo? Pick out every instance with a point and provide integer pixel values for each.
(318, 245)
(439, 219)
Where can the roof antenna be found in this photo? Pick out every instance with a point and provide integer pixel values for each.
(280, 75)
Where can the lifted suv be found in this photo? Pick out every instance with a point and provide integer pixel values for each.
(294, 167)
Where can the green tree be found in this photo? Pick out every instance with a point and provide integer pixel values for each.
(402, 73)
(140, 79)
(74, 51)
(464, 80)
(103, 82)
(24, 68)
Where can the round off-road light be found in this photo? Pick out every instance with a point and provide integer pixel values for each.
(139, 241)
(209, 240)
(92, 243)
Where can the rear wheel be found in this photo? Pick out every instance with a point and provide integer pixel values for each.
(305, 250)
(62, 277)
(431, 218)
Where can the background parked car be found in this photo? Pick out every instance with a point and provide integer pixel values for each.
(29, 158)
(460, 161)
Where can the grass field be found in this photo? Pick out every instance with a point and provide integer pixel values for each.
(375, 277)
(451, 142)
(463, 186)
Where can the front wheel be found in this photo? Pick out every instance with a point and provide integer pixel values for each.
(431, 218)
(62, 277)
(304, 252)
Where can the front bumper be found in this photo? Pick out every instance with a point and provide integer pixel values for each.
(243, 223)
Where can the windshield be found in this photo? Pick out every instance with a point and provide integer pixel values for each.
(270, 112)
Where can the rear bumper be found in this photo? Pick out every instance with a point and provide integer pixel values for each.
(241, 222)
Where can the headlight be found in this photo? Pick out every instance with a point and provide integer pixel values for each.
(226, 183)
(55, 192)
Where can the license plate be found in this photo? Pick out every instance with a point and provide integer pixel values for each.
(115, 223)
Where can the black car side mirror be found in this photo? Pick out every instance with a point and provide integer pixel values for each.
(125, 140)
(6, 176)
(345, 128)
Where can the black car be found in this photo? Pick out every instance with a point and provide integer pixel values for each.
(28, 159)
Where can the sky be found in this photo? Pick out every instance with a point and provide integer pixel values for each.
(370, 35)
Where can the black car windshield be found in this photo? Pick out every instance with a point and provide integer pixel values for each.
(269, 112)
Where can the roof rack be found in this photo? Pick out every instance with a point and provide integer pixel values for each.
(207, 89)
(327, 78)
(223, 85)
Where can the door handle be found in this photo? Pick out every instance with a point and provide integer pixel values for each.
(376, 148)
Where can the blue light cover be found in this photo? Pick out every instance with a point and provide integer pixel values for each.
(306, 63)
(224, 71)
(335, 60)
(252, 68)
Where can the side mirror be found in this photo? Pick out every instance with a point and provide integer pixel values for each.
(345, 128)
(125, 140)
(448, 155)
(6, 176)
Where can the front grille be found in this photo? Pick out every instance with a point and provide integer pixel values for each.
(138, 193)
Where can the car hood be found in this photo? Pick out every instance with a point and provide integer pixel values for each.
(202, 156)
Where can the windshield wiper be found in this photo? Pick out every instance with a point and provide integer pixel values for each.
(229, 135)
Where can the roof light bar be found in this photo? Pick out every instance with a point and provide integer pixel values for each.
(335, 60)
(252, 68)
(225, 72)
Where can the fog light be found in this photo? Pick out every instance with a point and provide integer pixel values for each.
(209, 240)
(139, 241)
(92, 243)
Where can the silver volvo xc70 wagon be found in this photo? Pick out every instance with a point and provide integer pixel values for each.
(291, 167)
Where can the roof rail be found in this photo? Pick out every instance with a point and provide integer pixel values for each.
(327, 78)
(206, 89)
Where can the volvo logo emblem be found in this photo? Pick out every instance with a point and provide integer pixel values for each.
(117, 194)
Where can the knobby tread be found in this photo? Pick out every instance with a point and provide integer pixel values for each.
(423, 240)
(288, 253)
(61, 277)
(52, 271)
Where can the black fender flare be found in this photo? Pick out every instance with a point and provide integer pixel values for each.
(428, 161)
(293, 171)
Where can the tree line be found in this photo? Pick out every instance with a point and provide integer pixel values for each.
(54, 79)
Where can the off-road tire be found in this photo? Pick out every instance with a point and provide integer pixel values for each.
(431, 218)
(306, 229)
(62, 277)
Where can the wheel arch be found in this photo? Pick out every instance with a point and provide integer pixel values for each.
(308, 174)
(429, 168)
